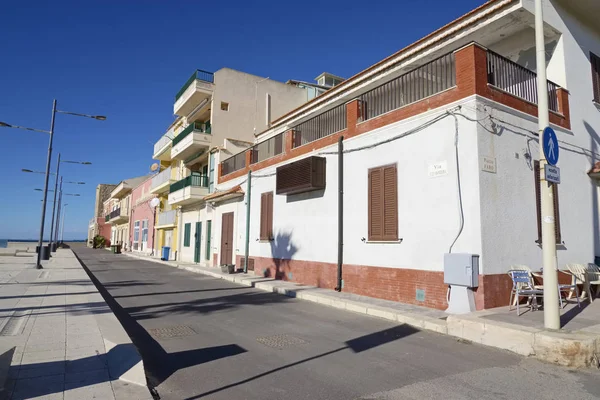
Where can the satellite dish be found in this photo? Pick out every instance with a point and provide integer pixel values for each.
(154, 167)
(154, 202)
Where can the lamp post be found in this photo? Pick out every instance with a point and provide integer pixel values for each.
(53, 231)
(48, 162)
(551, 311)
(62, 231)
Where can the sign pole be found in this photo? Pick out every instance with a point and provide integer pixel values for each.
(551, 311)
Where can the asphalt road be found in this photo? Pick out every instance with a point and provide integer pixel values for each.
(205, 338)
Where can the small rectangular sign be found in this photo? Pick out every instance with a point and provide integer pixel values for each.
(438, 169)
(488, 164)
(552, 173)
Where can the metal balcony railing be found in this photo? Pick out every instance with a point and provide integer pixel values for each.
(200, 127)
(267, 149)
(115, 213)
(234, 163)
(167, 218)
(322, 125)
(192, 180)
(160, 179)
(517, 80)
(424, 81)
(197, 75)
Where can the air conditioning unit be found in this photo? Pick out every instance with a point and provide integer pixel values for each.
(301, 176)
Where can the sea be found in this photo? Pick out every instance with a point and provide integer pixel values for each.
(3, 242)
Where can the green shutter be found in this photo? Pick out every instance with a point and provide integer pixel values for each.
(208, 228)
(187, 234)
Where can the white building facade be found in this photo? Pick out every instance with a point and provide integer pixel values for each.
(439, 155)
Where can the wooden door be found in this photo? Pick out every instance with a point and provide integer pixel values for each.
(227, 238)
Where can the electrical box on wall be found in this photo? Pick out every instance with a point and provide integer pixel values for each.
(461, 269)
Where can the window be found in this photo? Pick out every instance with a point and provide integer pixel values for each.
(145, 231)
(187, 232)
(383, 203)
(266, 216)
(595, 61)
(538, 204)
(224, 106)
(136, 234)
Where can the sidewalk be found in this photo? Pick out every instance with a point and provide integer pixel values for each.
(578, 345)
(58, 338)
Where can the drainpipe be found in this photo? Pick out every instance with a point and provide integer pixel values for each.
(247, 250)
(340, 213)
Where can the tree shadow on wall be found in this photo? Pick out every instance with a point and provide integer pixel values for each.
(282, 251)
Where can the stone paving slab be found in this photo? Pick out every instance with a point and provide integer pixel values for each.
(54, 326)
(579, 348)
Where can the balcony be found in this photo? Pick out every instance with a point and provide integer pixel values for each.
(188, 190)
(198, 88)
(161, 182)
(162, 148)
(167, 219)
(118, 216)
(191, 140)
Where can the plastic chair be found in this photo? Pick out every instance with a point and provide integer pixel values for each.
(581, 273)
(523, 287)
(521, 267)
(593, 273)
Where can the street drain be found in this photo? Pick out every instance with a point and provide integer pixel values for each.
(15, 324)
(280, 341)
(172, 332)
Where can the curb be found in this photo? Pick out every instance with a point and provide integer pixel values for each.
(580, 349)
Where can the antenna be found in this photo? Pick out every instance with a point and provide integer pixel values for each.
(154, 167)
(154, 202)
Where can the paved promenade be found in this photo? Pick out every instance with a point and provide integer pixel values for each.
(58, 338)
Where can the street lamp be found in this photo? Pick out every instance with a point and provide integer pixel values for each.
(48, 162)
(54, 234)
(62, 231)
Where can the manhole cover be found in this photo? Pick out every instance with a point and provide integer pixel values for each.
(280, 341)
(172, 332)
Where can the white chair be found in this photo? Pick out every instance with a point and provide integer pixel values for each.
(582, 275)
(521, 267)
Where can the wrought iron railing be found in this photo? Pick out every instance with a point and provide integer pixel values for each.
(267, 149)
(161, 178)
(167, 218)
(197, 75)
(234, 163)
(322, 125)
(115, 213)
(517, 80)
(200, 127)
(192, 180)
(418, 84)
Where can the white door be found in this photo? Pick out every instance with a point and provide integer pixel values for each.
(144, 235)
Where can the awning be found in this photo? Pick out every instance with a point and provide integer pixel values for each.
(234, 192)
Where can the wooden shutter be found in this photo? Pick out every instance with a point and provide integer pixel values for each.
(383, 203)
(390, 203)
(538, 205)
(595, 61)
(187, 234)
(266, 216)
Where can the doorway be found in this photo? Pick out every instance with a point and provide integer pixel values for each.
(227, 238)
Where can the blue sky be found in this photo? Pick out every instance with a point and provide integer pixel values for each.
(127, 59)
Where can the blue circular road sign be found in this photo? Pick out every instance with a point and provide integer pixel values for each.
(550, 146)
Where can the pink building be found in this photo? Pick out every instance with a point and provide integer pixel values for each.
(141, 222)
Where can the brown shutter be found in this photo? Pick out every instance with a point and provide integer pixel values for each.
(595, 61)
(538, 199)
(375, 204)
(390, 203)
(556, 214)
(263, 216)
(270, 215)
(266, 216)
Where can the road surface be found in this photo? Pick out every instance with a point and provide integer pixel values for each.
(205, 338)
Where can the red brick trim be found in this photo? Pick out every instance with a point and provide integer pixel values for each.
(471, 78)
